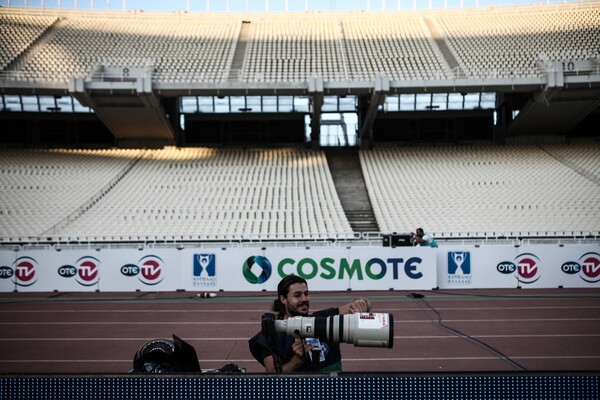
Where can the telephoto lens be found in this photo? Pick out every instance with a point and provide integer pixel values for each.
(360, 329)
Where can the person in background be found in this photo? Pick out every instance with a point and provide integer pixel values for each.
(424, 239)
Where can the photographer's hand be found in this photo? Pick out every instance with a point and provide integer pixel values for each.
(359, 305)
(299, 349)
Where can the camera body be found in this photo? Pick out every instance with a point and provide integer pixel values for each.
(360, 329)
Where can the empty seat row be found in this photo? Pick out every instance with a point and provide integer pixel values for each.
(482, 188)
(218, 192)
(510, 42)
(505, 42)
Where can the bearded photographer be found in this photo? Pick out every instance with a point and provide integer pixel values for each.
(283, 353)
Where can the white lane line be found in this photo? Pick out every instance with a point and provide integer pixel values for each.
(472, 358)
(112, 339)
(396, 321)
(207, 311)
(359, 360)
(130, 323)
(211, 339)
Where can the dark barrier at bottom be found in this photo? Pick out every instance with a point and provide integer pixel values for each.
(529, 385)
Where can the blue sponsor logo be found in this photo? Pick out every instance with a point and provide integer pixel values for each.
(6, 272)
(459, 268)
(67, 271)
(205, 270)
(571, 268)
(506, 267)
(130, 270)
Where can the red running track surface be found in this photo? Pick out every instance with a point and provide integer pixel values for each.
(458, 330)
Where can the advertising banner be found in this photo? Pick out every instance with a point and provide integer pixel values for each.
(7, 270)
(533, 266)
(144, 270)
(76, 270)
(49, 270)
(325, 268)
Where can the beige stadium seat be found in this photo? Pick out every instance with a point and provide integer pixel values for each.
(481, 189)
(47, 186)
(222, 194)
(21, 31)
(508, 42)
(177, 47)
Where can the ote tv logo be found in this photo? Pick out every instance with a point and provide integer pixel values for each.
(148, 270)
(24, 271)
(85, 270)
(525, 268)
(587, 267)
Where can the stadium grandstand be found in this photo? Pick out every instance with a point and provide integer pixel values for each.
(157, 153)
(206, 126)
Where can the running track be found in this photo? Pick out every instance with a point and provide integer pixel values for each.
(459, 330)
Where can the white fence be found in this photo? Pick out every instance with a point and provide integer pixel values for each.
(253, 269)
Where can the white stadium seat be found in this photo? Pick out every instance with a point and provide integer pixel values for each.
(203, 192)
(505, 42)
(455, 191)
(206, 193)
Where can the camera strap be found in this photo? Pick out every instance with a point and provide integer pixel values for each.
(275, 353)
(316, 359)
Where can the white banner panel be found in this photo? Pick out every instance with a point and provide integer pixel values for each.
(75, 270)
(355, 268)
(49, 270)
(325, 268)
(412, 268)
(568, 266)
(7, 270)
(145, 270)
(208, 270)
(535, 266)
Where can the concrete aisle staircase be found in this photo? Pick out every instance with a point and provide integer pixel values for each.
(344, 165)
(240, 53)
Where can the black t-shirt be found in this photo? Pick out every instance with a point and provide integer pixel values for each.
(330, 358)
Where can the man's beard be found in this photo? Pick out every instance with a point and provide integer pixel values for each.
(295, 313)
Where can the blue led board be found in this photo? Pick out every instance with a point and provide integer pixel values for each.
(342, 387)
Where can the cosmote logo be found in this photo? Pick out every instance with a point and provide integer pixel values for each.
(588, 267)
(85, 271)
(148, 270)
(525, 267)
(257, 269)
